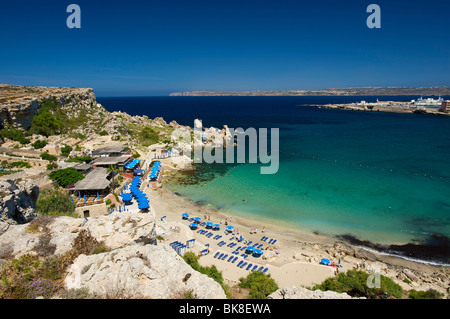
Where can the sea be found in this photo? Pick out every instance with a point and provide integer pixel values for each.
(379, 180)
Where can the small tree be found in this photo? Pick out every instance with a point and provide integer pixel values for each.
(39, 144)
(259, 284)
(65, 151)
(66, 177)
(53, 201)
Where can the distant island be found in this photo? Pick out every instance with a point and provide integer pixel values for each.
(428, 91)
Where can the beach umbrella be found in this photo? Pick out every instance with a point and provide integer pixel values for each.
(98, 198)
(143, 205)
(126, 197)
(209, 224)
(216, 226)
(185, 215)
(325, 261)
(249, 249)
(193, 225)
(257, 252)
(197, 219)
(230, 228)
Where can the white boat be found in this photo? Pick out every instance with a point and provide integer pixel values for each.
(427, 102)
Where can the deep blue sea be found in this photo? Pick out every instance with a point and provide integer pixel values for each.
(376, 178)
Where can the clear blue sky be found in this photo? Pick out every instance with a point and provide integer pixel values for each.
(156, 47)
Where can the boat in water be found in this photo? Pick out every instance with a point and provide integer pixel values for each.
(429, 102)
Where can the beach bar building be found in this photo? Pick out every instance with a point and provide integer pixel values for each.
(93, 188)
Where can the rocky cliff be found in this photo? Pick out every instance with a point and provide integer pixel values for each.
(129, 266)
(19, 104)
(17, 202)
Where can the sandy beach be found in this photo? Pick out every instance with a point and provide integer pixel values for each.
(295, 257)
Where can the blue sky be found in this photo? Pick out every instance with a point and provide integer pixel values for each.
(156, 47)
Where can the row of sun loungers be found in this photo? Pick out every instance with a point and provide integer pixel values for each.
(241, 264)
(271, 241)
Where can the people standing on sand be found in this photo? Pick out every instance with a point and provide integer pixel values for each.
(263, 229)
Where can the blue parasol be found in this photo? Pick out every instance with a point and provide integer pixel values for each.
(249, 249)
(325, 261)
(197, 219)
(257, 252)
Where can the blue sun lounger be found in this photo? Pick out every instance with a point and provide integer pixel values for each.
(217, 254)
(221, 255)
(249, 266)
(265, 270)
(254, 267)
(274, 241)
(229, 259)
(261, 268)
(270, 240)
(244, 264)
(234, 260)
(240, 263)
(225, 256)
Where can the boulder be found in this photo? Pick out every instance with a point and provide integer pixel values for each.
(140, 272)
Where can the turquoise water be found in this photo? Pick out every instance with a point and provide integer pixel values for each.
(339, 190)
(379, 177)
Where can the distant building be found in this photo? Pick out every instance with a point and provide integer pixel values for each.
(445, 106)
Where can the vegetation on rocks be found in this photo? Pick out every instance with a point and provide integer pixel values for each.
(54, 202)
(41, 275)
(354, 283)
(259, 284)
(66, 177)
(192, 260)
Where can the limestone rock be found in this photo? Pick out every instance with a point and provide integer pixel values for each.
(18, 201)
(303, 293)
(140, 272)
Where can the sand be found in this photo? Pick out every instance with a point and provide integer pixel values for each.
(299, 253)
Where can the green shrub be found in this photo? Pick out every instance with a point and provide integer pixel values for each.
(103, 133)
(147, 136)
(259, 284)
(15, 135)
(429, 294)
(54, 202)
(20, 164)
(39, 144)
(66, 177)
(46, 123)
(48, 157)
(65, 151)
(80, 159)
(354, 283)
(192, 260)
